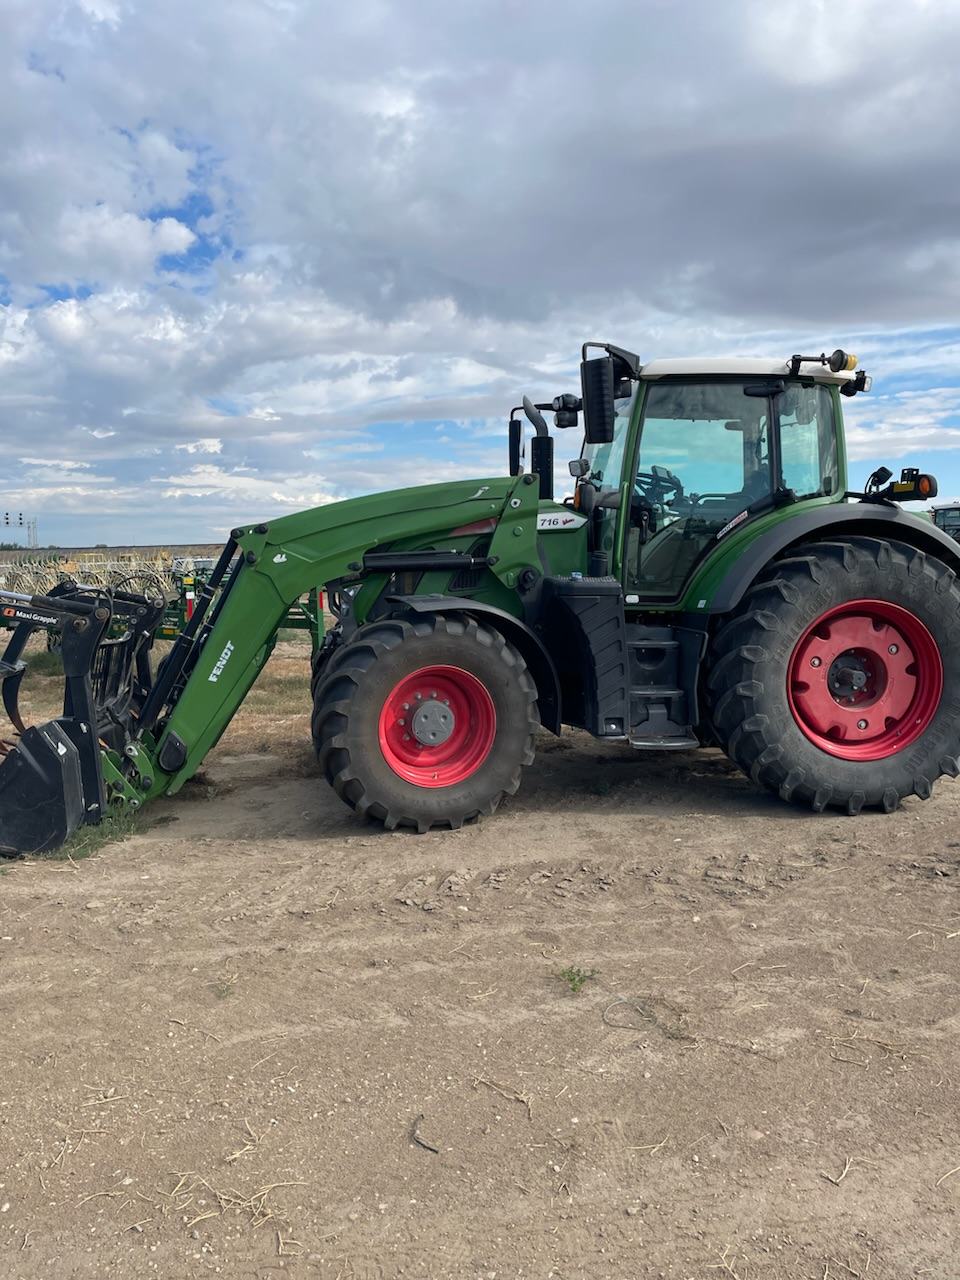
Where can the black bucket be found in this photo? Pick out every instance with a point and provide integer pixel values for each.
(41, 794)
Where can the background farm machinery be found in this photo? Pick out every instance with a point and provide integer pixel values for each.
(176, 580)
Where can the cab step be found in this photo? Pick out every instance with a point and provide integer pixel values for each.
(663, 665)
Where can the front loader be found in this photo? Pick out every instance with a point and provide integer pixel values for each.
(711, 582)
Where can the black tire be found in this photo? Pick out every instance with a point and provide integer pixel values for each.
(331, 641)
(362, 740)
(770, 693)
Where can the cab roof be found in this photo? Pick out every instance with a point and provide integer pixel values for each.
(736, 366)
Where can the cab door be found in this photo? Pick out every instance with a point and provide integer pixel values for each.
(703, 459)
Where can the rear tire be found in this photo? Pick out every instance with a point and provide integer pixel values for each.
(425, 721)
(837, 684)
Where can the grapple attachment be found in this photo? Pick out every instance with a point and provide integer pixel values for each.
(11, 673)
(52, 778)
(41, 791)
(99, 754)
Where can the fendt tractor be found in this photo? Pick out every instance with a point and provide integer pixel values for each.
(946, 516)
(711, 582)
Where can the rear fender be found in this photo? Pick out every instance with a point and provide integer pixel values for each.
(518, 633)
(866, 520)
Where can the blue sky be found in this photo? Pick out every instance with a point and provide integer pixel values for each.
(260, 255)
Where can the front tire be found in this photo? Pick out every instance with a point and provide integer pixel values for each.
(320, 660)
(425, 721)
(837, 684)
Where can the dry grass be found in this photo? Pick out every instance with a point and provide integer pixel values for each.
(507, 1091)
(190, 1201)
(90, 840)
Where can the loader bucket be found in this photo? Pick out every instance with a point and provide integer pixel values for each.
(41, 794)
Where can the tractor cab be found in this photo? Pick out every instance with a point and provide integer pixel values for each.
(694, 450)
(947, 518)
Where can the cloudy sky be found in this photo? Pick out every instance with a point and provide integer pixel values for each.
(256, 255)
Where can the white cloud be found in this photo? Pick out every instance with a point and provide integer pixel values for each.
(101, 244)
(907, 422)
(54, 464)
(209, 445)
(208, 481)
(101, 10)
(394, 214)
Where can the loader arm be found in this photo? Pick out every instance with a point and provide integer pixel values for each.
(169, 723)
(279, 562)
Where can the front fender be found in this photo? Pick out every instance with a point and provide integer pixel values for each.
(518, 633)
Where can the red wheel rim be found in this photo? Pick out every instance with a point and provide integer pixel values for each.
(437, 726)
(865, 680)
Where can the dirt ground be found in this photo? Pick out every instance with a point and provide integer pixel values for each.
(262, 1037)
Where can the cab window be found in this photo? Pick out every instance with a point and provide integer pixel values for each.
(709, 452)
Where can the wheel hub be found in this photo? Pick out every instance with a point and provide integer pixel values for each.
(433, 722)
(848, 676)
(865, 680)
(437, 726)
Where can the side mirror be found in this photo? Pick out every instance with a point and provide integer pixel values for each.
(597, 382)
(515, 447)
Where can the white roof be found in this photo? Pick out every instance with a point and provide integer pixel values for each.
(737, 365)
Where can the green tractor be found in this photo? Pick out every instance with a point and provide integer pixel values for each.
(946, 516)
(710, 582)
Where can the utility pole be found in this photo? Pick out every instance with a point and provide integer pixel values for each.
(19, 521)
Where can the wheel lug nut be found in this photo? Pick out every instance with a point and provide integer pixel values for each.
(815, 662)
(893, 649)
(401, 722)
(861, 724)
